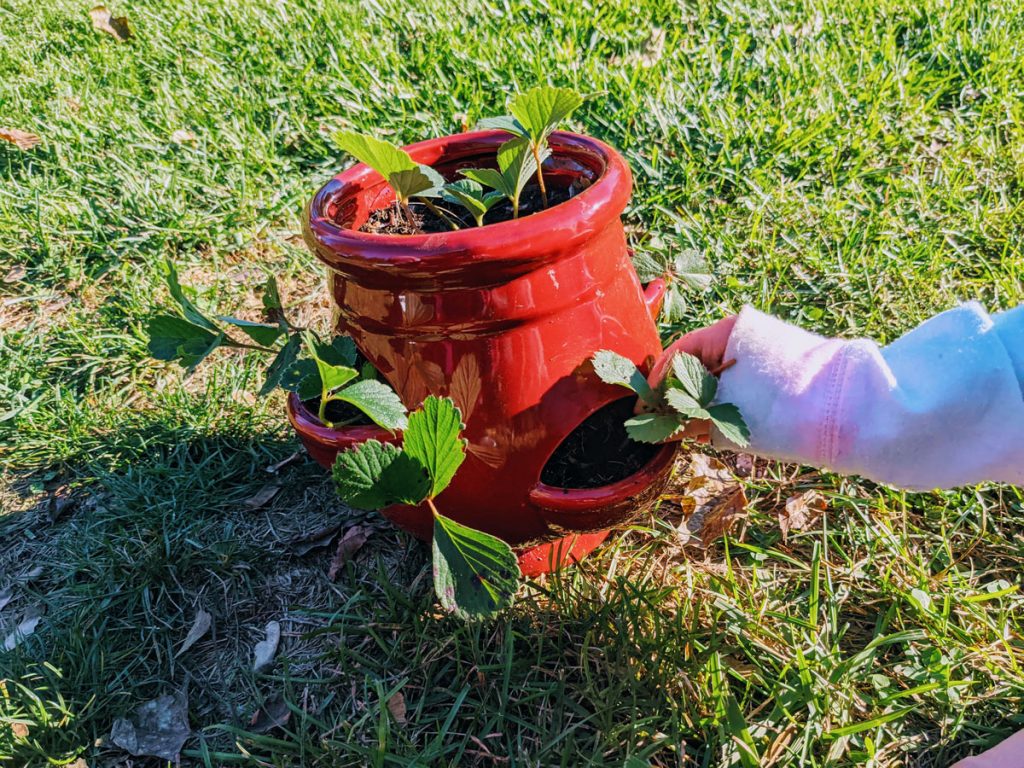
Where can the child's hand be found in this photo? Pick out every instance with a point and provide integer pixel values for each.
(707, 345)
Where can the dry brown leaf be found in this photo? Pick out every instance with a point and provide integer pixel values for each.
(200, 627)
(273, 714)
(21, 139)
(159, 728)
(396, 706)
(6, 595)
(303, 545)
(183, 136)
(263, 496)
(104, 21)
(801, 511)
(15, 273)
(29, 621)
(348, 545)
(263, 653)
(273, 469)
(718, 500)
(20, 730)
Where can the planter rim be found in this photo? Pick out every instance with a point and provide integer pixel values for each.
(531, 238)
(307, 425)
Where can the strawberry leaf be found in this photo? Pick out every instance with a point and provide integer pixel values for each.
(433, 439)
(475, 574)
(374, 475)
(541, 109)
(652, 427)
(378, 401)
(613, 368)
(727, 418)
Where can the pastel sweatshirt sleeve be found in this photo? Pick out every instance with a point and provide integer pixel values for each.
(940, 407)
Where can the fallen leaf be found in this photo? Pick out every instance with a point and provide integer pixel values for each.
(34, 574)
(396, 706)
(29, 621)
(6, 595)
(744, 464)
(159, 728)
(200, 627)
(717, 497)
(183, 136)
(273, 714)
(262, 497)
(303, 545)
(61, 502)
(242, 397)
(21, 139)
(348, 545)
(801, 511)
(15, 273)
(273, 469)
(104, 21)
(79, 763)
(265, 649)
(20, 730)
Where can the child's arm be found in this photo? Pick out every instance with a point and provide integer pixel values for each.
(940, 407)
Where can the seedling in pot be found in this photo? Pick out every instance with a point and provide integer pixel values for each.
(687, 392)
(471, 196)
(302, 363)
(535, 115)
(475, 574)
(516, 164)
(407, 178)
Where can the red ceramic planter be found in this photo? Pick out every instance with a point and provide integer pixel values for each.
(503, 319)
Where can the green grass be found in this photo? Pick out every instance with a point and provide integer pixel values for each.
(853, 166)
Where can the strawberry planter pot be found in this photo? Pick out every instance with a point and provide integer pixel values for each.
(503, 319)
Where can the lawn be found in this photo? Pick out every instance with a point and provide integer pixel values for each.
(851, 165)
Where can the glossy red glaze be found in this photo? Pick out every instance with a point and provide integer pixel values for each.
(502, 319)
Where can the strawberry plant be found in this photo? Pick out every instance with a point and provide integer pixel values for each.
(475, 574)
(687, 392)
(301, 363)
(535, 115)
(516, 164)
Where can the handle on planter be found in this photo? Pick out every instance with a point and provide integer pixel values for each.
(654, 296)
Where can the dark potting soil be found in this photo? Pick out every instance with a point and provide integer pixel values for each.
(339, 412)
(598, 452)
(393, 221)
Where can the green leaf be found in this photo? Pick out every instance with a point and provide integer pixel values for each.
(502, 123)
(383, 156)
(341, 351)
(613, 368)
(405, 176)
(416, 182)
(489, 178)
(433, 439)
(694, 378)
(303, 378)
(284, 360)
(475, 574)
(517, 164)
(690, 267)
(685, 405)
(652, 427)
(191, 312)
(328, 358)
(258, 332)
(378, 401)
(541, 109)
(271, 295)
(374, 475)
(470, 195)
(730, 423)
(174, 338)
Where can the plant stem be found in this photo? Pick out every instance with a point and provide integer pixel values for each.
(515, 207)
(409, 216)
(430, 504)
(437, 212)
(540, 176)
(321, 414)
